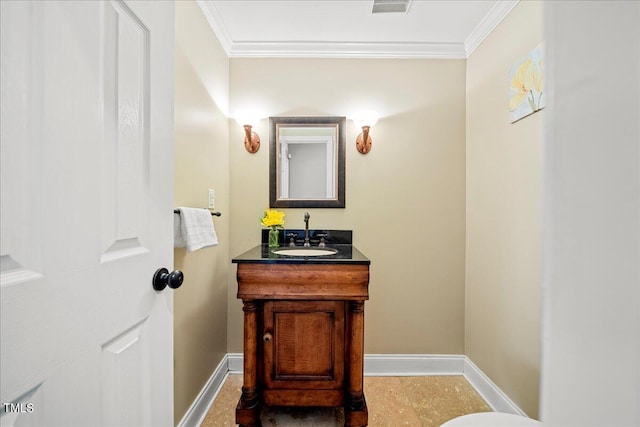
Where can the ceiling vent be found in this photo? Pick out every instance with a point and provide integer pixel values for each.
(390, 6)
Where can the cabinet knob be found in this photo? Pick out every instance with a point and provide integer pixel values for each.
(267, 337)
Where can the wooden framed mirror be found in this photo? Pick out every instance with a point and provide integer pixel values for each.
(307, 162)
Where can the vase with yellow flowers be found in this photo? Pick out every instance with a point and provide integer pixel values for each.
(275, 221)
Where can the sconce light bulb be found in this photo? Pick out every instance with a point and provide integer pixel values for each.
(248, 117)
(366, 118)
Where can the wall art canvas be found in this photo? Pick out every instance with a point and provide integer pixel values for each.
(526, 91)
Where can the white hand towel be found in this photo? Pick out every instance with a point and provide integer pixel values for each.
(178, 241)
(197, 228)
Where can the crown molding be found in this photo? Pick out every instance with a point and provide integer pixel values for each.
(399, 50)
(346, 50)
(491, 20)
(217, 24)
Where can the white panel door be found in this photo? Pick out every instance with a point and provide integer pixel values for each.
(86, 213)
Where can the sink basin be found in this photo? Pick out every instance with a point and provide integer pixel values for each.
(304, 251)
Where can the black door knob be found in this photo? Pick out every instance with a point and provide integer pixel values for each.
(162, 278)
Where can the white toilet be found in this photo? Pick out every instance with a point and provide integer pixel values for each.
(492, 419)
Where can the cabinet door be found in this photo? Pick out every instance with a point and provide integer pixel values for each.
(304, 344)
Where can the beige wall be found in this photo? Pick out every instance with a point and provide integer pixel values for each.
(201, 162)
(504, 169)
(405, 199)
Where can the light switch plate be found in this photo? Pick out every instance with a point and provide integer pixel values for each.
(212, 198)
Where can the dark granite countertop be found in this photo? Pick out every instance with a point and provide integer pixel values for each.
(261, 254)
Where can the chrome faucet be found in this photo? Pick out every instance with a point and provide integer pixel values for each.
(307, 243)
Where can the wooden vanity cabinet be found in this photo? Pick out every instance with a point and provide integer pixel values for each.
(303, 338)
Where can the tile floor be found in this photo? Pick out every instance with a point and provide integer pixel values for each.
(392, 401)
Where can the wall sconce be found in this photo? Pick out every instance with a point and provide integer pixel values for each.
(248, 119)
(365, 120)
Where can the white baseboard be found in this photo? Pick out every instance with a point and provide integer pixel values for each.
(379, 365)
(408, 365)
(236, 364)
(200, 406)
(387, 365)
(491, 393)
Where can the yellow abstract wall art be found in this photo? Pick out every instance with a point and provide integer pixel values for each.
(526, 94)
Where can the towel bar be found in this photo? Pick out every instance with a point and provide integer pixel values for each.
(177, 211)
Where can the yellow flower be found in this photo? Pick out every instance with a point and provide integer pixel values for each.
(527, 77)
(273, 218)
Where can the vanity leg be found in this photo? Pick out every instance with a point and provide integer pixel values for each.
(248, 409)
(356, 413)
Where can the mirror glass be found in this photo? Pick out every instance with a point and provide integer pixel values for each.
(307, 162)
